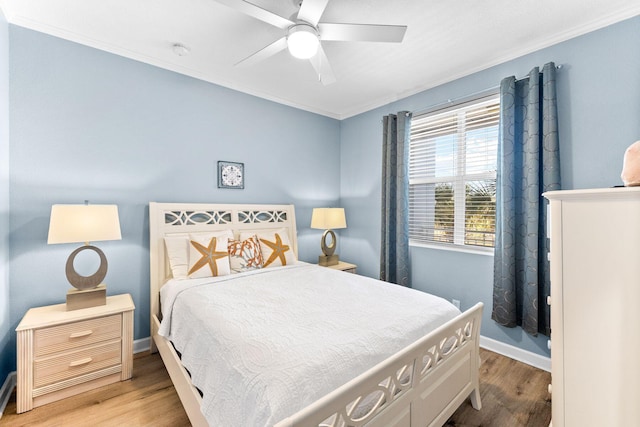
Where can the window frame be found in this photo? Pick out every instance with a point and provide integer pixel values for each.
(458, 181)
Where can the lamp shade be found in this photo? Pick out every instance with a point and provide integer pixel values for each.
(83, 223)
(328, 218)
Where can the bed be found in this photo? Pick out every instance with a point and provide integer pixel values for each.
(419, 382)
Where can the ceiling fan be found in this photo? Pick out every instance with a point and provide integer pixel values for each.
(304, 32)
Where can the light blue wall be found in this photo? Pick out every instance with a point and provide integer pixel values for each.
(5, 322)
(599, 112)
(90, 125)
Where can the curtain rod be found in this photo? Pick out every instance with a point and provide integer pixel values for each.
(484, 92)
(558, 67)
(469, 97)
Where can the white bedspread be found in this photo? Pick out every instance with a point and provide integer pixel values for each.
(263, 345)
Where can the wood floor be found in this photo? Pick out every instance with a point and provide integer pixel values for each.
(513, 395)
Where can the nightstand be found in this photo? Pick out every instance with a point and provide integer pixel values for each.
(344, 266)
(62, 353)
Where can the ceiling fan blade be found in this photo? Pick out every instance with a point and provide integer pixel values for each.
(264, 53)
(362, 32)
(321, 64)
(258, 13)
(311, 11)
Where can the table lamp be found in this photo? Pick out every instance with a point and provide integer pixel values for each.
(328, 219)
(84, 223)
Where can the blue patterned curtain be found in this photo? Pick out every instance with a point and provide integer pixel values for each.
(394, 251)
(528, 165)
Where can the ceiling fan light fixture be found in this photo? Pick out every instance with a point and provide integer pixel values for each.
(302, 41)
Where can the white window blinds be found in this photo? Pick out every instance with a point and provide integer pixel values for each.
(452, 174)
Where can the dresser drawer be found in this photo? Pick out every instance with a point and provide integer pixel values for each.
(52, 369)
(74, 335)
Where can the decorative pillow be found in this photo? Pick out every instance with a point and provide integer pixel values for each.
(178, 254)
(245, 255)
(276, 248)
(208, 257)
(178, 250)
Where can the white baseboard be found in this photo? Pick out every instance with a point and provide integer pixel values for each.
(5, 391)
(524, 356)
(143, 344)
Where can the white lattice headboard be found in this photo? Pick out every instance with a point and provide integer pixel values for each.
(166, 219)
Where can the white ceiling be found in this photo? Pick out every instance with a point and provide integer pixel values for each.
(445, 40)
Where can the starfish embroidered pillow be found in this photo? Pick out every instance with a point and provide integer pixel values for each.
(177, 247)
(208, 257)
(276, 248)
(245, 255)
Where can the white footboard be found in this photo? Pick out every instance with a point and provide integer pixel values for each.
(422, 385)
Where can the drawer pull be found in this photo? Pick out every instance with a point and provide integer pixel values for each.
(80, 362)
(81, 334)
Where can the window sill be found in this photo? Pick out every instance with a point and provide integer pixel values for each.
(454, 248)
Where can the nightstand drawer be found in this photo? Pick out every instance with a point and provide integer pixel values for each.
(74, 335)
(57, 368)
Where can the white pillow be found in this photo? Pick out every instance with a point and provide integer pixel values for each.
(275, 246)
(208, 256)
(178, 254)
(178, 250)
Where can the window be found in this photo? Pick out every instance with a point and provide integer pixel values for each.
(452, 175)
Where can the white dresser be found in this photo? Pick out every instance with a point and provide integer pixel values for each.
(595, 307)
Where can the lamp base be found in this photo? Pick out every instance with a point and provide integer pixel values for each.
(77, 299)
(327, 260)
